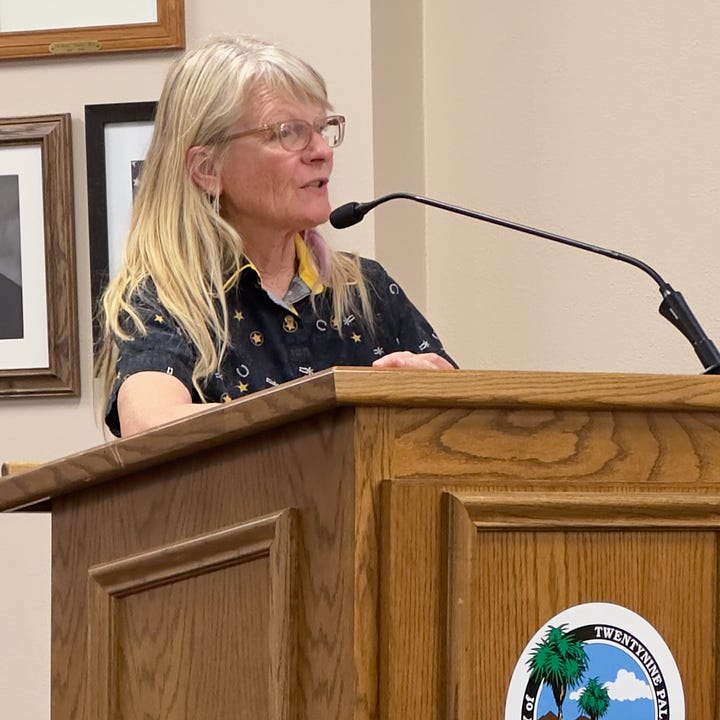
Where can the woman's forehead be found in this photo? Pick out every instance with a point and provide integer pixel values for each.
(268, 105)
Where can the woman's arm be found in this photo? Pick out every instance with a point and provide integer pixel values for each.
(148, 399)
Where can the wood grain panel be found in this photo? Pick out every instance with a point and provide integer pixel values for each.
(564, 489)
(555, 447)
(226, 425)
(498, 392)
(526, 389)
(374, 435)
(411, 640)
(13, 468)
(522, 571)
(146, 664)
(627, 510)
(308, 465)
(459, 693)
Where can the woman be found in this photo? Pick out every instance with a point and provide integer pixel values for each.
(226, 288)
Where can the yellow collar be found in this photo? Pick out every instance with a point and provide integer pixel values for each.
(306, 268)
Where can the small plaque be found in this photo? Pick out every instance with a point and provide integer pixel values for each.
(75, 47)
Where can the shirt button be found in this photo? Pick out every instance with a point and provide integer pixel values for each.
(290, 324)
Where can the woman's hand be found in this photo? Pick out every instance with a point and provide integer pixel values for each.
(414, 361)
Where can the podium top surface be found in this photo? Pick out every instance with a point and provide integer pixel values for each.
(362, 387)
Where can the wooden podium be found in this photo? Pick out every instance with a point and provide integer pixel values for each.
(378, 544)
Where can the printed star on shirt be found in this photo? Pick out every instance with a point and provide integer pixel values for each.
(159, 319)
(356, 338)
(242, 387)
(256, 337)
(290, 324)
(239, 315)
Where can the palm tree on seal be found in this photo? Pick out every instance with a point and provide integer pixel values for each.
(594, 700)
(560, 661)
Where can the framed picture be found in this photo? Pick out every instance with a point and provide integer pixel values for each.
(37, 28)
(39, 351)
(117, 136)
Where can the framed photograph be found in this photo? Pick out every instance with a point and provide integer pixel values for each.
(37, 28)
(39, 351)
(117, 136)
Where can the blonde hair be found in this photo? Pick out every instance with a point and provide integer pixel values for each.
(178, 237)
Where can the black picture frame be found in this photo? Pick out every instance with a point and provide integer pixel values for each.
(99, 119)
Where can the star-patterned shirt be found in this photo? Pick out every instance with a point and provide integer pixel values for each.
(275, 340)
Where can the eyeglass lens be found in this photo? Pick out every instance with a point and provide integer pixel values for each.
(297, 134)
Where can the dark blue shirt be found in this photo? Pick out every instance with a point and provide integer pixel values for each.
(273, 341)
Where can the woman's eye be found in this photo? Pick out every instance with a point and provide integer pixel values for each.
(288, 130)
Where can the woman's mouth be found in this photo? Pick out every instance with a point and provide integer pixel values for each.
(317, 184)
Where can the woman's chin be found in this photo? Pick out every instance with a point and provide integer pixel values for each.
(318, 218)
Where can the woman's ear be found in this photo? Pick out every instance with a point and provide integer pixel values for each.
(202, 169)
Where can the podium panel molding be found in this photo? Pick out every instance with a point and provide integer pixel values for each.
(511, 561)
(271, 539)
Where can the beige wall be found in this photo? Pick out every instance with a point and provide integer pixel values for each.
(597, 121)
(399, 140)
(24, 616)
(594, 120)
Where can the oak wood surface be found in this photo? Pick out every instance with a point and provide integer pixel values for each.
(14, 467)
(166, 506)
(127, 661)
(439, 520)
(556, 393)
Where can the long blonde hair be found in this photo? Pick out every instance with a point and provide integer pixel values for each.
(178, 238)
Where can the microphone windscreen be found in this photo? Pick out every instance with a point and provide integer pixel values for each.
(346, 215)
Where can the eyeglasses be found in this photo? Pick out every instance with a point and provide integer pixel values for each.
(296, 135)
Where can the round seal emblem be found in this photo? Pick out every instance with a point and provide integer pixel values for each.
(596, 661)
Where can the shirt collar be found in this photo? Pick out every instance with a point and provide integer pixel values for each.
(306, 269)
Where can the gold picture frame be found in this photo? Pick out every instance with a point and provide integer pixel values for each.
(167, 33)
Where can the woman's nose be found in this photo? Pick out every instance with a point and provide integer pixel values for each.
(318, 147)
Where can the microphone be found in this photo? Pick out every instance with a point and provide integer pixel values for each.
(673, 306)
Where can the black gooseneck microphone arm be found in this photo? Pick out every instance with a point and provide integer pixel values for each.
(673, 306)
